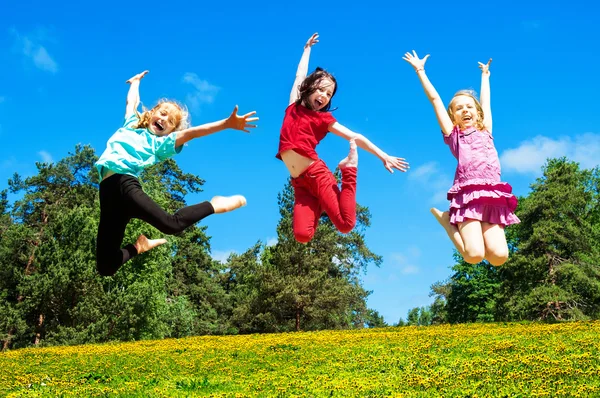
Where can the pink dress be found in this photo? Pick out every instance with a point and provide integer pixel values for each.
(478, 193)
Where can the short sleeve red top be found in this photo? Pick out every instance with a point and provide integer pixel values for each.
(303, 129)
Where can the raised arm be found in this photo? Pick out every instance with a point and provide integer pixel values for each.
(389, 162)
(133, 95)
(485, 96)
(234, 121)
(438, 106)
(303, 67)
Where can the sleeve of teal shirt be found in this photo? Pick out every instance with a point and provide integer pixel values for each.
(165, 147)
(131, 121)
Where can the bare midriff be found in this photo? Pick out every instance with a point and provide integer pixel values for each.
(295, 162)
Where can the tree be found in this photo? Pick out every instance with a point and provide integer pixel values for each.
(554, 273)
(49, 288)
(308, 287)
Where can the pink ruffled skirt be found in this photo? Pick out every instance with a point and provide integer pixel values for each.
(483, 200)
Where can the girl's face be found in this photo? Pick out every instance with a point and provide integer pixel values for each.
(322, 95)
(464, 111)
(163, 120)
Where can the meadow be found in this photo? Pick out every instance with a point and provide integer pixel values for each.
(474, 360)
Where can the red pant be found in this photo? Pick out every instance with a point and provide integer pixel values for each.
(315, 191)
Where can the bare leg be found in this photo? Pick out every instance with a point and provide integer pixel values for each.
(451, 230)
(472, 235)
(496, 248)
(143, 244)
(223, 204)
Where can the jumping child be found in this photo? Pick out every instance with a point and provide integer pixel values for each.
(481, 205)
(307, 121)
(146, 139)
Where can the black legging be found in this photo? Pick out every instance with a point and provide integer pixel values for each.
(121, 199)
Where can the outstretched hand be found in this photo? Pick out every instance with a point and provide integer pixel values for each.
(415, 61)
(392, 162)
(237, 122)
(485, 68)
(138, 77)
(314, 39)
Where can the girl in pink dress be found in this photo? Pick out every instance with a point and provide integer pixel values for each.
(481, 205)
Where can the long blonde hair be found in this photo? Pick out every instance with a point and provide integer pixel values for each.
(181, 117)
(471, 94)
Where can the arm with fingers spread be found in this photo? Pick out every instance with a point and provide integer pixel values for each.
(485, 96)
(302, 70)
(438, 106)
(133, 95)
(389, 162)
(234, 121)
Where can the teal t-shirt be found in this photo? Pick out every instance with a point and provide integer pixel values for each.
(130, 150)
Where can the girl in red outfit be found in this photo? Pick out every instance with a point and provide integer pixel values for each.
(307, 121)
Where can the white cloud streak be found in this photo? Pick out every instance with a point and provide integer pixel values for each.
(531, 155)
(33, 50)
(204, 92)
(46, 157)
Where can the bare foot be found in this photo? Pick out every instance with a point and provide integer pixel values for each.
(223, 204)
(444, 219)
(352, 159)
(143, 244)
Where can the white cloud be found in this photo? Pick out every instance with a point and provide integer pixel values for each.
(33, 50)
(410, 269)
(46, 157)
(204, 92)
(272, 241)
(431, 178)
(532, 154)
(406, 263)
(222, 255)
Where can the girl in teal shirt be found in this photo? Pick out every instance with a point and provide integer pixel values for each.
(146, 139)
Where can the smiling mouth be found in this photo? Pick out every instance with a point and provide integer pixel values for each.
(159, 126)
(319, 102)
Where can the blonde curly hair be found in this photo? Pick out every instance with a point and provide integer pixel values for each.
(471, 94)
(181, 118)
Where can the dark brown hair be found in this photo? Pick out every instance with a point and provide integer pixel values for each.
(310, 85)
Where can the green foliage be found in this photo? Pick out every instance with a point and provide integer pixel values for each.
(51, 293)
(418, 316)
(292, 286)
(553, 272)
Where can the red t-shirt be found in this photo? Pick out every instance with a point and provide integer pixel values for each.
(303, 129)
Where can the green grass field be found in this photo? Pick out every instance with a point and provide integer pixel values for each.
(478, 360)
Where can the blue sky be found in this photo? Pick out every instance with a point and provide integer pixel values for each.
(64, 66)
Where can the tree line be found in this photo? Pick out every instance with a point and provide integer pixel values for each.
(50, 292)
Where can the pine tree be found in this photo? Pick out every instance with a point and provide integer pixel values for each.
(312, 286)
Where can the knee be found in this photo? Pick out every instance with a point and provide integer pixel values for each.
(347, 228)
(474, 255)
(497, 257)
(106, 265)
(303, 236)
